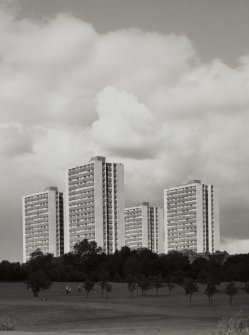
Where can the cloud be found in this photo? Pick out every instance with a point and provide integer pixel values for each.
(234, 246)
(141, 98)
(15, 140)
(125, 127)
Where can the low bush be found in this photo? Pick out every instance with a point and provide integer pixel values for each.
(238, 325)
(6, 323)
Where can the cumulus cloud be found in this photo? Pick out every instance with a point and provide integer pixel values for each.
(142, 98)
(125, 126)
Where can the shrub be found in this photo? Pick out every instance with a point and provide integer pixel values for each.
(238, 325)
(6, 323)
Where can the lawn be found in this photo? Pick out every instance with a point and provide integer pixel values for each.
(118, 314)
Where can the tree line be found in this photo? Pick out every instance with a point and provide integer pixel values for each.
(139, 268)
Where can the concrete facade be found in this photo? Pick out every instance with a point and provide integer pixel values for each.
(191, 218)
(144, 227)
(155, 230)
(42, 220)
(94, 204)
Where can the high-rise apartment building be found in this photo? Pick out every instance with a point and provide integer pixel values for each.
(94, 204)
(43, 222)
(155, 230)
(191, 217)
(144, 227)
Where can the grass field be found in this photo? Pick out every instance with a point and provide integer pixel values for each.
(119, 314)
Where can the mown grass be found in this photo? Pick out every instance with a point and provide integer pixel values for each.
(119, 314)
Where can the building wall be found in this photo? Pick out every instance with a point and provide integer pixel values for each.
(156, 234)
(120, 206)
(213, 222)
(200, 218)
(80, 205)
(99, 204)
(136, 227)
(144, 227)
(161, 242)
(216, 221)
(66, 213)
(191, 218)
(41, 219)
(60, 225)
(52, 221)
(181, 216)
(95, 198)
(165, 219)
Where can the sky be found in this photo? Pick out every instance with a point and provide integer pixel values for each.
(161, 86)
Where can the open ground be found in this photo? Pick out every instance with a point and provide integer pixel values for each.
(118, 314)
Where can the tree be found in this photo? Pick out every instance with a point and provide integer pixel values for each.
(103, 282)
(170, 283)
(131, 284)
(145, 284)
(84, 248)
(211, 271)
(12, 271)
(190, 287)
(88, 286)
(247, 287)
(36, 253)
(236, 268)
(231, 290)
(196, 267)
(39, 261)
(116, 277)
(178, 265)
(108, 289)
(38, 281)
(157, 282)
(131, 266)
(210, 290)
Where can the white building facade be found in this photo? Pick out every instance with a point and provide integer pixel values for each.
(191, 218)
(94, 204)
(42, 220)
(144, 227)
